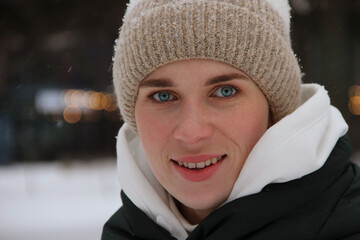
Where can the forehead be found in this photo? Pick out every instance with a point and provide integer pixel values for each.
(192, 69)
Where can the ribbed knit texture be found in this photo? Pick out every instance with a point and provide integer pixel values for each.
(247, 34)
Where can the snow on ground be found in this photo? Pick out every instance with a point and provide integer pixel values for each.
(58, 201)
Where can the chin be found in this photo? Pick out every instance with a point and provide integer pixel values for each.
(203, 202)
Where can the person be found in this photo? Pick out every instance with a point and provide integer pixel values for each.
(221, 139)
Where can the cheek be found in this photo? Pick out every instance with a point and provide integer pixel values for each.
(154, 133)
(257, 124)
(151, 125)
(246, 125)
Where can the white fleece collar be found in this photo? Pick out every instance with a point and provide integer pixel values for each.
(296, 146)
(141, 186)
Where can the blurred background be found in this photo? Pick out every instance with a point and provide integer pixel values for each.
(58, 115)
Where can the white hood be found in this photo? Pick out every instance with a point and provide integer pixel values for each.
(296, 146)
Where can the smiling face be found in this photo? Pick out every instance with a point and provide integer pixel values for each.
(198, 120)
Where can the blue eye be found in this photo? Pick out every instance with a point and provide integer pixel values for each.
(225, 92)
(163, 96)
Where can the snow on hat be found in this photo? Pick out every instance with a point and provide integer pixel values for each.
(251, 35)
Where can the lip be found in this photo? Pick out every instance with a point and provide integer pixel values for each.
(198, 175)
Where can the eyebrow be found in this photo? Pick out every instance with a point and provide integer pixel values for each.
(165, 82)
(161, 82)
(224, 78)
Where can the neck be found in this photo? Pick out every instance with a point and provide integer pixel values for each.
(193, 216)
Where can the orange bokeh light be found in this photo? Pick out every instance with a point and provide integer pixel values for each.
(72, 114)
(354, 91)
(76, 97)
(85, 99)
(354, 105)
(95, 100)
(67, 97)
(108, 102)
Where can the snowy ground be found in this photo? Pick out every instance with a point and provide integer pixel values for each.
(57, 201)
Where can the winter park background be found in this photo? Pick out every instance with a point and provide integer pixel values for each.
(58, 116)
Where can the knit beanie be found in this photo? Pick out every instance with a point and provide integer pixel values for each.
(251, 35)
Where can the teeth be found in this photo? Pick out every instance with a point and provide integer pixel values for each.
(191, 165)
(200, 165)
(214, 160)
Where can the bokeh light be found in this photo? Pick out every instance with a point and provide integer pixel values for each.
(354, 102)
(108, 102)
(354, 105)
(77, 104)
(354, 91)
(72, 114)
(67, 96)
(95, 100)
(85, 99)
(76, 98)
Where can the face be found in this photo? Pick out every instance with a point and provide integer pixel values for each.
(198, 120)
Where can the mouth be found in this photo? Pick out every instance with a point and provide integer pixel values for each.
(200, 165)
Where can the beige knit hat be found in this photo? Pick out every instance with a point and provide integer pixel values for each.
(251, 35)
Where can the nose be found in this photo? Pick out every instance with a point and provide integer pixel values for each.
(193, 125)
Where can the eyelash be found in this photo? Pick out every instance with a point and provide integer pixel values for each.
(174, 98)
(235, 91)
(151, 96)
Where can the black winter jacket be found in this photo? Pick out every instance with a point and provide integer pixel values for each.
(324, 205)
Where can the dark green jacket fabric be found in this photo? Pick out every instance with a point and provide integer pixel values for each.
(324, 205)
